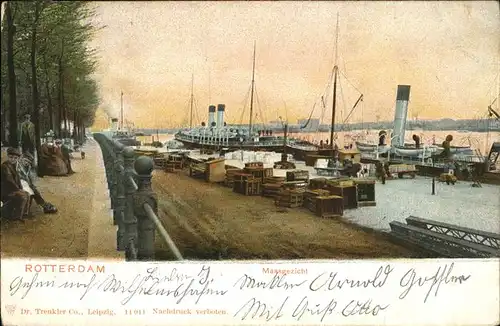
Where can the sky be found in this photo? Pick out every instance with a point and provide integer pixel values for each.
(449, 52)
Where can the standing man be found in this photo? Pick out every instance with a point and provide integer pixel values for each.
(28, 142)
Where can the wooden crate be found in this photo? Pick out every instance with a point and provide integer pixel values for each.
(258, 173)
(310, 195)
(366, 190)
(328, 206)
(297, 175)
(340, 182)
(254, 165)
(349, 193)
(172, 167)
(295, 185)
(317, 183)
(274, 180)
(215, 170)
(271, 189)
(159, 162)
(247, 187)
(289, 198)
(238, 177)
(230, 172)
(197, 170)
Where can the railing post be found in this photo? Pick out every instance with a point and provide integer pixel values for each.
(114, 178)
(146, 227)
(107, 160)
(119, 207)
(130, 221)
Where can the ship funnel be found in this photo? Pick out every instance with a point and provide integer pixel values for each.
(114, 124)
(220, 115)
(211, 115)
(400, 115)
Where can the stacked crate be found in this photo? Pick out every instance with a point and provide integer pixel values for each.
(229, 180)
(289, 198)
(310, 196)
(317, 183)
(257, 172)
(254, 165)
(295, 185)
(297, 175)
(160, 161)
(327, 206)
(272, 186)
(268, 173)
(173, 163)
(246, 184)
(348, 191)
(366, 192)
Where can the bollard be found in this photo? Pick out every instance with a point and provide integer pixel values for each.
(119, 208)
(129, 219)
(146, 227)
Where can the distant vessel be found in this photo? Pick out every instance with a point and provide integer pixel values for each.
(124, 136)
(217, 134)
(302, 149)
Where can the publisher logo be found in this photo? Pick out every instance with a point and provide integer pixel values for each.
(10, 308)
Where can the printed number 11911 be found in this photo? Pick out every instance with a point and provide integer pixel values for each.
(129, 312)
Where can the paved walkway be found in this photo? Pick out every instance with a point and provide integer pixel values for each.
(82, 228)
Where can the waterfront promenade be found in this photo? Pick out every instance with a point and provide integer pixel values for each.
(82, 227)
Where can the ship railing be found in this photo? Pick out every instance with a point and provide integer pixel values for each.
(133, 201)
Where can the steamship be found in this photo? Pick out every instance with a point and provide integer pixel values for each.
(217, 135)
(122, 135)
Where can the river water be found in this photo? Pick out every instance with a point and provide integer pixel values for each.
(476, 140)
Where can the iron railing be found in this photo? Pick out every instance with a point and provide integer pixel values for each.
(133, 201)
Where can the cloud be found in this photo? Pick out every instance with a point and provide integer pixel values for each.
(447, 51)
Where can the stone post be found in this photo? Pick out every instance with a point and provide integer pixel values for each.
(130, 221)
(119, 207)
(146, 227)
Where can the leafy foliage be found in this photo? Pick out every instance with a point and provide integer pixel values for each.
(53, 65)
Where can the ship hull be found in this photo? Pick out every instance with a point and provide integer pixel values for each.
(300, 153)
(247, 147)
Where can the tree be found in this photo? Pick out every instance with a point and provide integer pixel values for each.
(13, 140)
(49, 66)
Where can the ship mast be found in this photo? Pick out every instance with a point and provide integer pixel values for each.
(192, 99)
(335, 72)
(250, 129)
(121, 110)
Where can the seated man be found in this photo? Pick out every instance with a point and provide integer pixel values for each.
(15, 200)
(24, 167)
(51, 160)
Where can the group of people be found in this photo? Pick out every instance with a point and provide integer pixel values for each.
(18, 187)
(17, 179)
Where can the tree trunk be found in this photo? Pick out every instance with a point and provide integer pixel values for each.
(13, 137)
(60, 115)
(64, 110)
(74, 133)
(50, 109)
(34, 83)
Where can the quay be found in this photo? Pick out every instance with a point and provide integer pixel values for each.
(158, 215)
(81, 227)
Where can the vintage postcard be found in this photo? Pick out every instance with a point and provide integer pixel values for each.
(250, 163)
